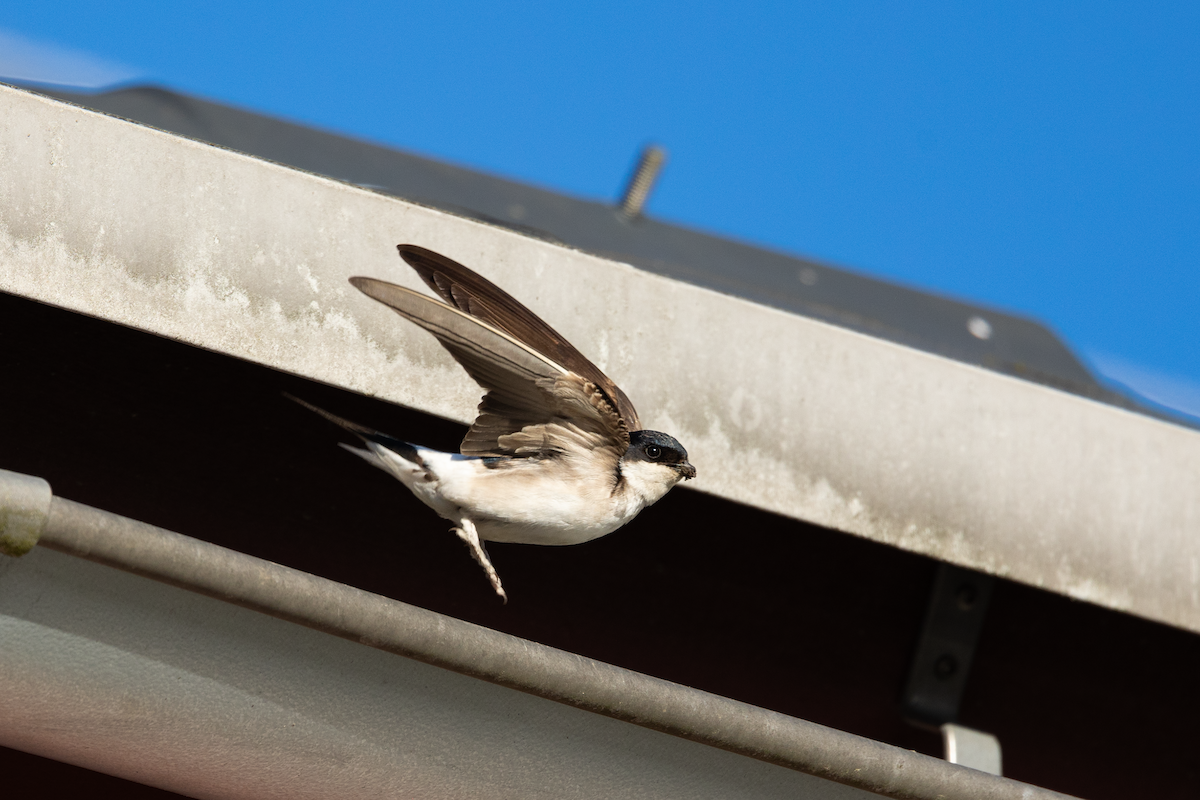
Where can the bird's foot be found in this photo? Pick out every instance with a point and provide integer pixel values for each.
(471, 536)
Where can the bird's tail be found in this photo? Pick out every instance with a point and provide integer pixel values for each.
(368, 435)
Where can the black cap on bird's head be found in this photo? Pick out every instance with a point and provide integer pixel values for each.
(660, 448)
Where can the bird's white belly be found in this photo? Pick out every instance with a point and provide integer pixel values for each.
(547, 532)
(534, 505)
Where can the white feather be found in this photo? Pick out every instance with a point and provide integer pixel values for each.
(532, 501)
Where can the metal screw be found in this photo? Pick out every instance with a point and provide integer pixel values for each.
(642, 181)
(980, 328)
(945, 666)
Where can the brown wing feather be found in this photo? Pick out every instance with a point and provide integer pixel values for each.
(583, 419)
(484, 300)
(530, 399)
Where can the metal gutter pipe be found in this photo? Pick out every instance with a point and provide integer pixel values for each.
(496, 657)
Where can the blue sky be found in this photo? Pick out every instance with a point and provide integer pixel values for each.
(1043, 158)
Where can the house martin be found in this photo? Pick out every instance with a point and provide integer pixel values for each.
(555, 456)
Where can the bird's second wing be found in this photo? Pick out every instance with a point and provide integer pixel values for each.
(532, 402)
(468, 291)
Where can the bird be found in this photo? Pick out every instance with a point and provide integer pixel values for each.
(556, 454)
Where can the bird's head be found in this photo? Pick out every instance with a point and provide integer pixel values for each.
(655, 462)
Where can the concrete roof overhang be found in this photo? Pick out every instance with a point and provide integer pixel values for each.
(782, 412)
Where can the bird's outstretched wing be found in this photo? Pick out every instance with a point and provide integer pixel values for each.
(487, 302)
(534, 406)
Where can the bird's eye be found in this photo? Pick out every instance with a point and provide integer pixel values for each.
(653, 452)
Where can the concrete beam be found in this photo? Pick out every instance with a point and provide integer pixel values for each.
(779, 411)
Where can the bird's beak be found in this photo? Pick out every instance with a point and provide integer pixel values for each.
(686, 470)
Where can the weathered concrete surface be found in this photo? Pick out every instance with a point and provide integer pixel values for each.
(777, 411)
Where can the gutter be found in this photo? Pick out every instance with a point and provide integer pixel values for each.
(467, 649)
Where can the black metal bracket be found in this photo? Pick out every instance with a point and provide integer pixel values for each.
(946, 647)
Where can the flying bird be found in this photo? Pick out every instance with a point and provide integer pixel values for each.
(556, 454)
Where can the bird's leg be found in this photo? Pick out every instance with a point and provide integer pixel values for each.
(469, 535)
